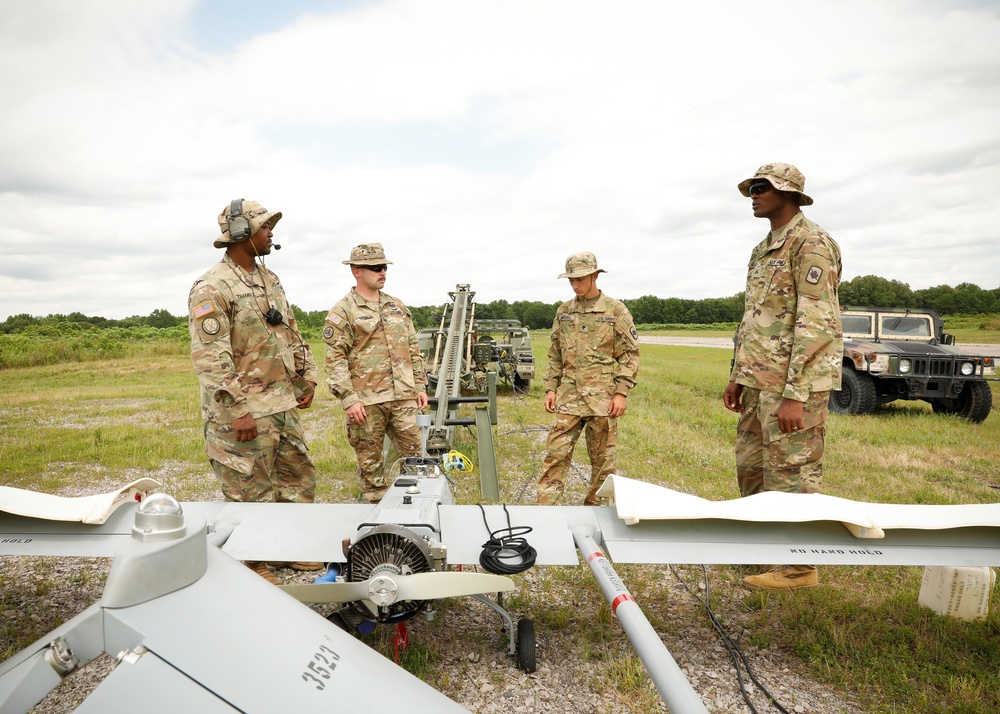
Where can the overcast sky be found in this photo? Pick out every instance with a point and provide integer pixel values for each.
(483, 142)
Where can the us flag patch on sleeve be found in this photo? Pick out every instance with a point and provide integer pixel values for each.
(206, 308)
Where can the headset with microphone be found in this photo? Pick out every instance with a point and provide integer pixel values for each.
(239, 229)
(239, 226)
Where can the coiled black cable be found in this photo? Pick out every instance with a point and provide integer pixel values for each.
(497, 551)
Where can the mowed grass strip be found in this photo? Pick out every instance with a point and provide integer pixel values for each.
(71, 427)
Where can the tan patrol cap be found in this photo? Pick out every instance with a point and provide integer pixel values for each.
(254, 213)
(580, 265)
(783, 177)
(367, 254)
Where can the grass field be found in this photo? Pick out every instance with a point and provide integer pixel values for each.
(80, 427)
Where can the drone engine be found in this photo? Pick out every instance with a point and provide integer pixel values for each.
(388, 550)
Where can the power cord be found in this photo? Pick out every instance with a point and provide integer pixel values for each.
(735, 653)
(498, 550)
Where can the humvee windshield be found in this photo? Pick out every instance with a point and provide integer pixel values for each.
(902, 326)
(856, 324)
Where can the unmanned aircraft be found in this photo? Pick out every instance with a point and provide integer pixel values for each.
(193, 629)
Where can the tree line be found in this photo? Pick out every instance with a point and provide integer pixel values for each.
(866, 290)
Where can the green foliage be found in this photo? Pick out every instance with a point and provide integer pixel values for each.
(965, 298)
(56, 342)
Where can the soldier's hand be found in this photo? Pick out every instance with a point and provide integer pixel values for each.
(246, 428)
(307, 399)
(550, 402)
(731, 397)
(618, 404)
(421, 400)
(790, 415)
(356, 414)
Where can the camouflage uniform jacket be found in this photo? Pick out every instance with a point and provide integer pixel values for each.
(245, 366)
(593, 356)
(790, 341)
(371, 351)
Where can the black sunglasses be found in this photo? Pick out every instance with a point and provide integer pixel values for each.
(375, 268)
(759, 188)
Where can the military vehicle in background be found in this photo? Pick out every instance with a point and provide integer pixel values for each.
(499, 346)
(892, 354)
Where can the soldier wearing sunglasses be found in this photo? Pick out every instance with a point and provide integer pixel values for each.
(375, 368)
(789, 348)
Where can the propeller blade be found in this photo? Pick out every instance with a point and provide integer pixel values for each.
(386, 589)
(328, 592)
(432, 586)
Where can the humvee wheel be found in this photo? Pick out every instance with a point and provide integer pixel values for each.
(856, 395)
(974, 403)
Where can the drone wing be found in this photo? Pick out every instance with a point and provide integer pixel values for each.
(195, 630)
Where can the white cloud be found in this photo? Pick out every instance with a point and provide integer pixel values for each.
(484, 142)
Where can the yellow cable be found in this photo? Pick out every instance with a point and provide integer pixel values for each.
(456, 460)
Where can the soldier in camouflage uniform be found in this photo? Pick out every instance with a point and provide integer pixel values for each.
(375, 368)
(789, 348)
(255, 370)
(593, 362)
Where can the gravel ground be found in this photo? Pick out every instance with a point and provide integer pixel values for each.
(584, 665)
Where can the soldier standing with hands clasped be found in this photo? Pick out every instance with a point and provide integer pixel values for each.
(255, 370)
(593, 362)
(789, 348)
(375, 368)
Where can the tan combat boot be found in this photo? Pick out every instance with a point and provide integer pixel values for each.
(260, 567)
(306, 565)
(784, 577)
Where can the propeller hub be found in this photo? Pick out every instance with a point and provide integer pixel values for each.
(382, 590)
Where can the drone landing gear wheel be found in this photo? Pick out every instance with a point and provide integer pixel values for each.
(526, 645)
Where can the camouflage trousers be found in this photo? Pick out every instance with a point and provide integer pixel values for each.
(399, 421)
(769, 460)
(601, 432)
(275, 466)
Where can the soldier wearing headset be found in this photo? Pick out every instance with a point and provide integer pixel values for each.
(255, 368)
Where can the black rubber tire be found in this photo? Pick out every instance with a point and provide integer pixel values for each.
(522, 384)
(974, 403)
(857, 394)
(526, 645)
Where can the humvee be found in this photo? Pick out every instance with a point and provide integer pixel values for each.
(892, 354)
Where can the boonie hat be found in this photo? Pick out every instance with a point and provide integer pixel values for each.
(783, 177)
(580, 265)
(255, 213)
(367, 254)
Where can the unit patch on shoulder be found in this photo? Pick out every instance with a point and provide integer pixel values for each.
(814, 275)
(211, 326)
(206, 308)
(327, 332)
(631, 331)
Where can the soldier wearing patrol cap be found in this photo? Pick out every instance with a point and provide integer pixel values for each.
(375, 368)
(593, 362)
(789, 348)
(255, 370)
